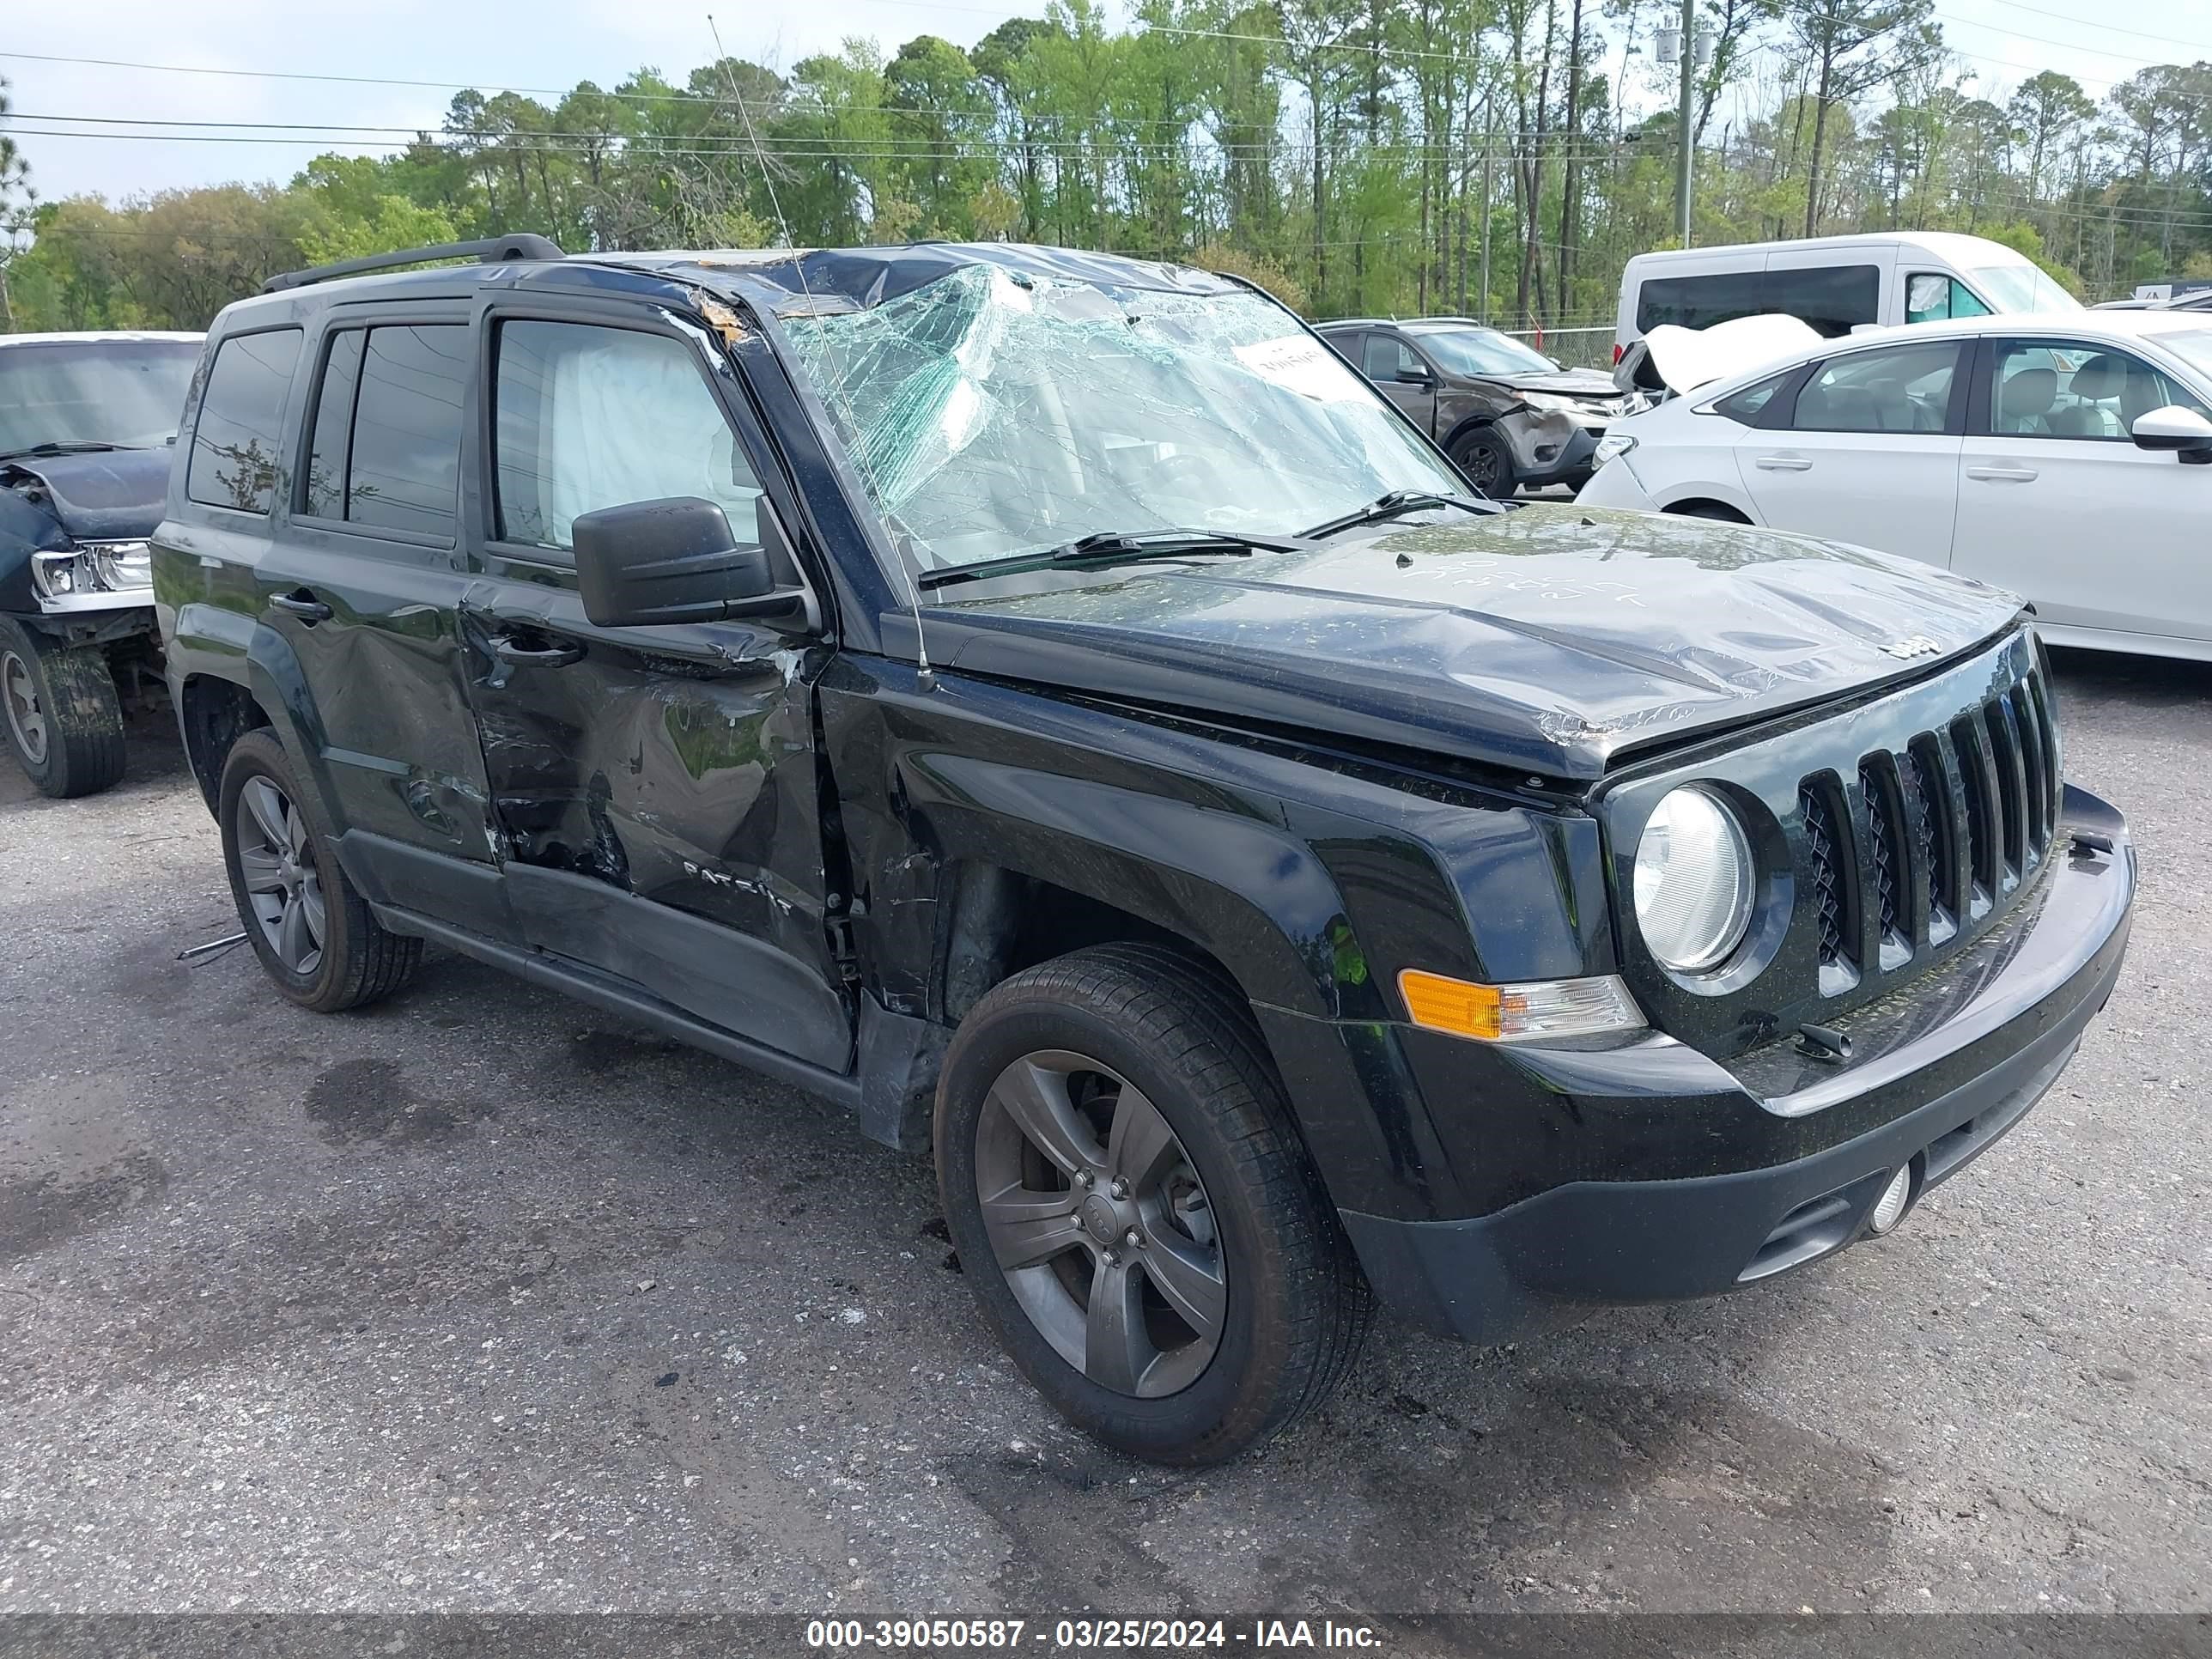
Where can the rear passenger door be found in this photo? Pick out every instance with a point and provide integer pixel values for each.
(655, 790)
(1870, 453)
(361, 580)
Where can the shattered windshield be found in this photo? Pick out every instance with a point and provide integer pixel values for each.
(990, 413)
(126, 393)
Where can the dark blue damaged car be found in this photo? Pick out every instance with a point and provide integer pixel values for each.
(86, 420)
(1051, 705)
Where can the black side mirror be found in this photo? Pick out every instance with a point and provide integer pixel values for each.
(674, 560)
(1418, 377)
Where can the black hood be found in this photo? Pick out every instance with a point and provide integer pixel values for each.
(104, 495)
(1547, 640)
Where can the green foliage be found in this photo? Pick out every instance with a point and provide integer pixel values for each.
(1368, 155)
(388, 223)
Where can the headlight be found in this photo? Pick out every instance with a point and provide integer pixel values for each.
(121, 564)
(1550, 400)
(1693, 882)
(1611, 446)
(95, 567)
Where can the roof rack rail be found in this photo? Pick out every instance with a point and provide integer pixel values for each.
(492, 250)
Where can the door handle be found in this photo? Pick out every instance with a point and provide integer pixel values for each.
(2002, 474)
(1782, 464)
(304, 605)
(509, 649)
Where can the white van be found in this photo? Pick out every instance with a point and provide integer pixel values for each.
(1836, 284)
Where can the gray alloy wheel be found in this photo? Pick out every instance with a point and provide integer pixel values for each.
(277, 868)
(1100, 1223)
(27, 722)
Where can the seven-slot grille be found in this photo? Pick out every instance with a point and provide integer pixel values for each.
(1926, 840)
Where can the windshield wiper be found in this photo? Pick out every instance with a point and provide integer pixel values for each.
(1394, 505)
(65, 446)
(1106, 547)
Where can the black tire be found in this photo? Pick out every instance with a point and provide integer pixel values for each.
(357, 960)
(1482, 456)
(62, 716)
(1715, 511)
(1296, 1305)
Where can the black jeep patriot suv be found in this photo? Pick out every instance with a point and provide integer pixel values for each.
(1052, 705)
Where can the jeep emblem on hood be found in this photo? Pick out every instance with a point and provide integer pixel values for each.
(1912, 645)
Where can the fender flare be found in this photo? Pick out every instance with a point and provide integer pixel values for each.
(212, 642)
(1471, 423)
(1238, 887)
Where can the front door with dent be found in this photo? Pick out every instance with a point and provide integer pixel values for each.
(654, 789)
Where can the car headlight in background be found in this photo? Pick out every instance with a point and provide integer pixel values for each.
(1550, 400)
(95, 568)
(1693, 881)
(1611, 446)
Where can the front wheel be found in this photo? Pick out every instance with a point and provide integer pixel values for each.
(62, 716)
(1135, 1211)
(1483, 457)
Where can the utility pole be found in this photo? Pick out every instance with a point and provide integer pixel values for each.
(1685, 168)
(1488, 127)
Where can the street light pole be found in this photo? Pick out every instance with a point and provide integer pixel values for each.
(1684, 171)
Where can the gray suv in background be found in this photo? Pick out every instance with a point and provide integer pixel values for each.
(1508, 416)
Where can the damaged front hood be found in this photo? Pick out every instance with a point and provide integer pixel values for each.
(1546, 639)
(1572, 382)
(105, 495)
(1684, 359)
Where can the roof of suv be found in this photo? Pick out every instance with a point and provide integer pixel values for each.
(787, 281)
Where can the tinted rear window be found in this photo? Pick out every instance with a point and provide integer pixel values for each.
(1833, 298)
(238, 446)
(403, 471)
(1700, 301)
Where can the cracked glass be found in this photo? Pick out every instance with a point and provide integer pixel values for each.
(990, 413)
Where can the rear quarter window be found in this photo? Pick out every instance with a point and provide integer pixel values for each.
(237, 459)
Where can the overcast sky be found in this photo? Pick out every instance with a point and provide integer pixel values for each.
(552, 44)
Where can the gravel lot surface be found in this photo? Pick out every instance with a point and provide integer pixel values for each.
(480, 1301)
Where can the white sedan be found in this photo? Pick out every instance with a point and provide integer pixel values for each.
(2066, 457)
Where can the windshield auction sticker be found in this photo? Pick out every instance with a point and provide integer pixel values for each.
(1300, 363)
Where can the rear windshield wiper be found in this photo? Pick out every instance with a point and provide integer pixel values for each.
(1106, 547)
(1392, 505)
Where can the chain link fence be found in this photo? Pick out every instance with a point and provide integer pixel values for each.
(1571, 347)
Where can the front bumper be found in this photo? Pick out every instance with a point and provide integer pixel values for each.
(1942, 1069)
(1555, 451)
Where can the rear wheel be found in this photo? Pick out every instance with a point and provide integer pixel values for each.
(1483, 457)
(1135, 1211)
(61, 713)
(316, 936)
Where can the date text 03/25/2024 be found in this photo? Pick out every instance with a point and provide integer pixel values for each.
(1082, 1635)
